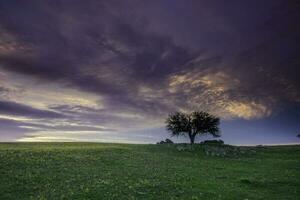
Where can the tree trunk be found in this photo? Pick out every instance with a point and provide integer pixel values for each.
(192, 138)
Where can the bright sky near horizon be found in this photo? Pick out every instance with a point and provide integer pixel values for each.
(111, 71)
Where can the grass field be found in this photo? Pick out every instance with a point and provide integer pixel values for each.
(123, 171)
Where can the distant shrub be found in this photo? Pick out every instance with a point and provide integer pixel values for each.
(167, 141)
(213, 142)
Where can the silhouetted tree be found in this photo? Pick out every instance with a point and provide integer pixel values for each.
(195, 123)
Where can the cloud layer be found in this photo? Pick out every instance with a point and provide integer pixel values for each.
(121, 66)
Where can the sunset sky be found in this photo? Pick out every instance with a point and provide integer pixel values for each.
(112, 71)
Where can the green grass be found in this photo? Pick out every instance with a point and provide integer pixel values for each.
(123, 171)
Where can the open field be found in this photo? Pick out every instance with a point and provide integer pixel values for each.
(123, 171)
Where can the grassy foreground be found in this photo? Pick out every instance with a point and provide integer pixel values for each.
(123, 171)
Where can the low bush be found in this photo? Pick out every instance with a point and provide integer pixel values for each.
(167, 141)
(213, 142)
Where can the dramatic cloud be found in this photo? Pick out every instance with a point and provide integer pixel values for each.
(12, 108)
(74, 69)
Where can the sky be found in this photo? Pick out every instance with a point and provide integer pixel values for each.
(112, 71)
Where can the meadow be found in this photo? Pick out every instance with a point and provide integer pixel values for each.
(127, 171)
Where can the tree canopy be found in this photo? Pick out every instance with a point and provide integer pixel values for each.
(192, 124)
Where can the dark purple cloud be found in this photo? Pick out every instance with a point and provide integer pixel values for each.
(235, 59)
(16, 109)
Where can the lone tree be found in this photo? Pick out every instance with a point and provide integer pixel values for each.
(195, 123)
